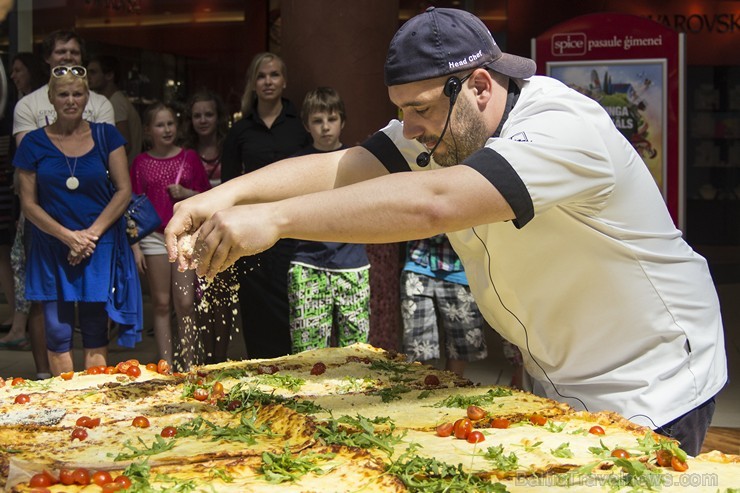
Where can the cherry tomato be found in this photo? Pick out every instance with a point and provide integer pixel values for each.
(124, 481)
(133, 362)
(110, 370)
(123, 367)
(620, 453)
(151, 367)
(445, 429)
(112, 487)
(101, 477)
(678, 465)
(134, 372)
(217, 389)
(200, 394)
(462, 428)
(500, 423)
(82, 421)
(476, 437)
(168, 432)
(22, 399)
(66, 477)
(42, 480)
(140, 422)
(663, 457)
(318, 369)
(163, 368)
(234, 405)
(81, 476)
(92, 423)
(79, 433)
(67, 375)
(17, 381)
(538, 420)
(597, 430)
(431, 381)
(93, 370)
(475, 413)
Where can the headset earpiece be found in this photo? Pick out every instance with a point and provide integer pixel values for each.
(452, 89)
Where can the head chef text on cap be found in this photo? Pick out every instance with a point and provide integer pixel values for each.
(465, 61)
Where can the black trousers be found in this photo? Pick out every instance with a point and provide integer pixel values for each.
(691, 428)
(263, 301)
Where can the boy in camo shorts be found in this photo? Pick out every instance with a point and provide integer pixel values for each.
(328, 283)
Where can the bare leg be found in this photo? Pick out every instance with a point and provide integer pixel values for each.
(18, 329)
(158, 274)
(96, 356)
(37, 333)
(60, 362)
(6, 280)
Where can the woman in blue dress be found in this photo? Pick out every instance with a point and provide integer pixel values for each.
(74, 189)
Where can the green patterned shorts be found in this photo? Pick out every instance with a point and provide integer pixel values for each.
(322, 300)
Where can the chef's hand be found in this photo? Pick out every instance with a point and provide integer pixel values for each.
(188, 216)
(231, 234)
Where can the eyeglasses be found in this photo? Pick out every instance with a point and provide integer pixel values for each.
(63, 70)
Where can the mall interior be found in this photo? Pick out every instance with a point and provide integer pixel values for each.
(171, 48)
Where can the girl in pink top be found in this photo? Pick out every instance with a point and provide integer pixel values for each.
(167, 173)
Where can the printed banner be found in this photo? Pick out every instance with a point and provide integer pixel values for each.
(634, 68)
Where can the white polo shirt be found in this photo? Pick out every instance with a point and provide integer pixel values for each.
(611, 309)
(36, 111)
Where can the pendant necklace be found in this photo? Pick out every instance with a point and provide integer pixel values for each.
(72, 182)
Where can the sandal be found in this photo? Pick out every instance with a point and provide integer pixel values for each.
(21, 343)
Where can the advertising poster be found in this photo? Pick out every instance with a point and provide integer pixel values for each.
(634, 67)
(634, 96)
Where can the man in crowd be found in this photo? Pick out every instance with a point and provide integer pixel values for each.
(568, 246)
(102, 76)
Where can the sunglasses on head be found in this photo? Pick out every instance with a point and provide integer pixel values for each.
(75, 70)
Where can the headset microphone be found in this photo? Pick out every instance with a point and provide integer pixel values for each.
(451, 89)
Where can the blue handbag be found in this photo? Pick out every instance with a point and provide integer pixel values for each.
(141, 217)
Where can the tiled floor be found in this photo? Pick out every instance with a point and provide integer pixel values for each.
(493, 370)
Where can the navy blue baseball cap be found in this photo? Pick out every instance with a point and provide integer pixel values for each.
(441, 42)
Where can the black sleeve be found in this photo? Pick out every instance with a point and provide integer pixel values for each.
(497, 170)
(383, 148)
(231, 157)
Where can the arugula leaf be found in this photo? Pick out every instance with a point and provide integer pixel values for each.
(463, 402)
(421, 474)
(359, 432)
(281, 381)
(138, 473)
(552, 427)
(391, 393)
(424, 394)
(501, 462)
(563, 451)
(279, 468)
(218, 473)
(602, 452)
(160, 445)
(638, 476)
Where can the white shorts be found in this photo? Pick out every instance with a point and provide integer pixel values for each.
(153, 244)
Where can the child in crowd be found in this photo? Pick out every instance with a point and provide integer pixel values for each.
(167, 173)
(204, 129)
(435, 296)
(328, 283)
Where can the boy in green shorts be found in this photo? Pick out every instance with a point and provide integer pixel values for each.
(328, 283)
